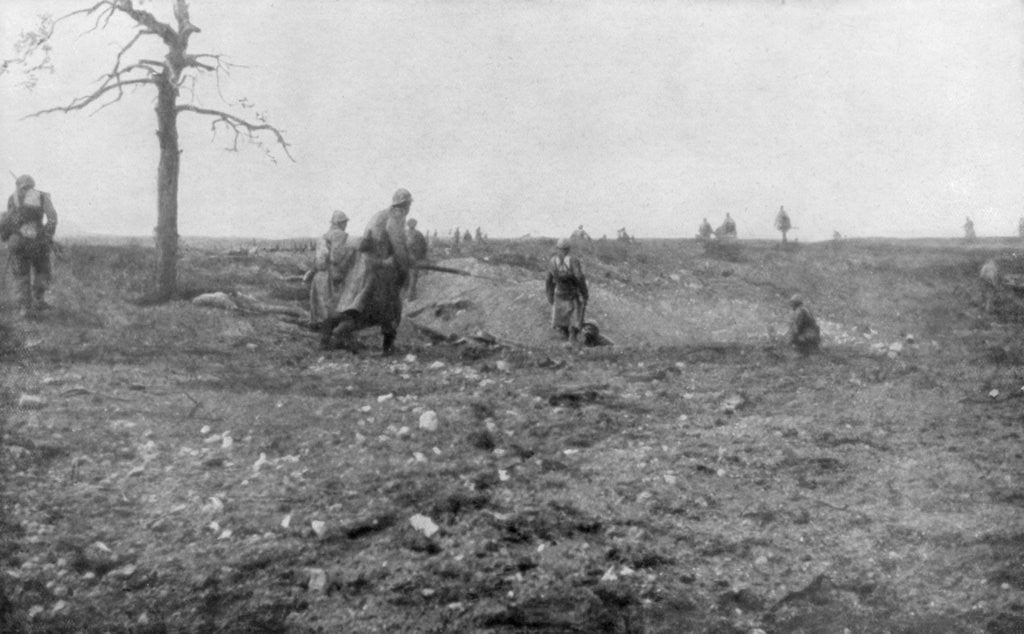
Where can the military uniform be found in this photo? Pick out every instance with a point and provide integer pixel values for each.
(567, 292)
(28, 226)
(782, 223)
(418, 252)
(371, 294)
(334, 257)
(804, 332)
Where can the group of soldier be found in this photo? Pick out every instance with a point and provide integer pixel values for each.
(353, 284)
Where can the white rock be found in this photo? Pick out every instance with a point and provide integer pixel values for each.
(31, 401)
(419, 457)
(319, 527)
(317, 579)
(385, 397)
(226, 442)
(428, 420)
(424, 524)
(262, 460)
(215, 300)
(503, 475)
(204, 430)
(287, 521)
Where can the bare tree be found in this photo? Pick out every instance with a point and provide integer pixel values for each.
(168, 76)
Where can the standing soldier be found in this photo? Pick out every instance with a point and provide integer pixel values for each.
(782, 223)
(331, 263)
(372, 293)
(418, 252)
(30, 239)
(969, 230)
(728, 228)
(804, 333)
(567, 292)
(705, 232)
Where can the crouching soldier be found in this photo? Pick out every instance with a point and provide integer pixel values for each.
(28, 227)
(804, 333)
(567, 292)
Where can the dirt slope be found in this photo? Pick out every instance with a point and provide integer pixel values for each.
(181, 468)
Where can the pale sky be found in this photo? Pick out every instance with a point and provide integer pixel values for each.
(871, 118)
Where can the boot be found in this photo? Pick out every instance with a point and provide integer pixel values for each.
(388, 347)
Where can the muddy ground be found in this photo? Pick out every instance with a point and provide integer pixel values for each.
(183, 468)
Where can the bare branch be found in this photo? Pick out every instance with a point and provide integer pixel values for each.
(240, 127)
(148, 20)
(78, 103)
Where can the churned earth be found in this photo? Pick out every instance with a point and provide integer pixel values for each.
(199, 468)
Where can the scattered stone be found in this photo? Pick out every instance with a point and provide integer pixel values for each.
(319, 527)
(424, 525)
(428, 420)
(262, 460)
(317, 579)
(31, 401)
(215, 300)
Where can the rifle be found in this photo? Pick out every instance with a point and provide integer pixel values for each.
(427, 266)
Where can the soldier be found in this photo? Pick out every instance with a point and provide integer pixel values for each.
(418, 251)
(969, 230)
(705, 232)
(372, 293)
(30, 240)
(331, 263)
(580, 234)
(727, 229)
(804, 333)
(567, 292)
(782, 223)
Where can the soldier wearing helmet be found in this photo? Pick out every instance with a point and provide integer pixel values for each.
(804, 333)
(334, 257)
(28, 226)
(418, 251)
(371, 293)
(567, 292)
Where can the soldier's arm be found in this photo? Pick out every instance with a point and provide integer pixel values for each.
(395, 228)
(51, 215)
(549, 287)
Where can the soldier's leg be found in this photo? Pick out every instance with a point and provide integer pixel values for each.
(42, 274)
(343, 327)
(389, 333)
(414, 276)
(21, 272)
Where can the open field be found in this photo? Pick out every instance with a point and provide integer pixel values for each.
(197, 469)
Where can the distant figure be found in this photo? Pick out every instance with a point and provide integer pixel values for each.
(782, 223)
(479, 235)
(580, 234)
(372, 293)
(727, 229)
(804, 333)
(969, 230)
(836, 236)
(457, 238)
(705, 232)
(623, 236)
(332, 260)
(567, 292)
(28, 226)
(418, 251)
(467, 237)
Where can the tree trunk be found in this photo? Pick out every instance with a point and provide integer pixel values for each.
(167, 192)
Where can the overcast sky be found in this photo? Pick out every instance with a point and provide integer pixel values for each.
(871, 118)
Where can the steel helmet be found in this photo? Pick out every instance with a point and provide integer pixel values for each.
(401, 197)
(563, 243)
(339, 218)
